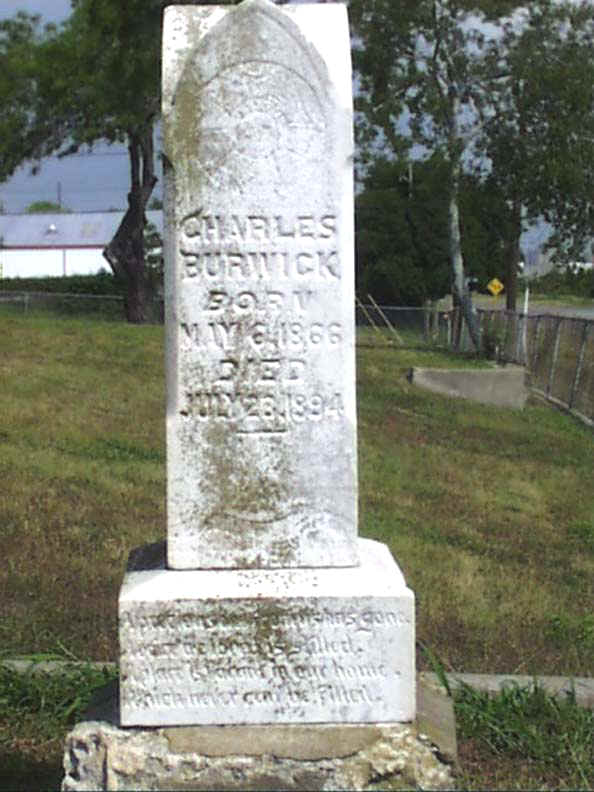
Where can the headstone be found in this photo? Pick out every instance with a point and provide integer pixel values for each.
(261, 426)
(268, 608)
(285, 646)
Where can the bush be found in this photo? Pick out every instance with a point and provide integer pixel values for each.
(102, 283)
(558, 282)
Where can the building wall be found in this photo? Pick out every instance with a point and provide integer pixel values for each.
(44, 263)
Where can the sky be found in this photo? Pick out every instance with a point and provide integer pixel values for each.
(83, 182)
(92, 182)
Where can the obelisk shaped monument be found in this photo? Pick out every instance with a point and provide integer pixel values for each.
(261, 416)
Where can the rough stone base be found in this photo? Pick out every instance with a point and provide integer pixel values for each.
(99, 755)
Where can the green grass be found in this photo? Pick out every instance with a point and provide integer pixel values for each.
(36, 709)
(537, 299)
(490, 512)
(524, 738)
(472, 500)
(82, 465)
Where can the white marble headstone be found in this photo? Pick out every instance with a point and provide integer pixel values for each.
(261, 419)
(267, 646)
(269, 609)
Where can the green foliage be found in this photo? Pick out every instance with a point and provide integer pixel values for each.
(402, 256)
(486, 222)
(45, 207)
(18, 40)
(97, 77)
(402, 231)
(101, 283)
(423, 81)
(114, 51)
(433, 74)
(540, 137)
(579, 283)
(532, 725)
(436, 666)
(49, 699)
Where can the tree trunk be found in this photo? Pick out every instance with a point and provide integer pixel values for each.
(461, 293)
(512, 257)
(462, 296)
(125, 252)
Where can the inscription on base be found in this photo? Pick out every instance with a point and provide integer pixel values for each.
(255, 661)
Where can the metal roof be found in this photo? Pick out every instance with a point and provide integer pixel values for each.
(72, 230)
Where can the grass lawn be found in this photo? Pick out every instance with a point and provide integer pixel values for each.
(536, 300)
(490, 513)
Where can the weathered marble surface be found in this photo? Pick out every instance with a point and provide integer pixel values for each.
(261, 416)
(283, 646)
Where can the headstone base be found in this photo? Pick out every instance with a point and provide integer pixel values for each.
(99, 755)
(217, 647)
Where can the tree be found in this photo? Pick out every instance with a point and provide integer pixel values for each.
(18, 39)
(98, 79)
(540, 139)
(402, 230)
(485, 221)
(114, 51)
(442, 75)
(401, 233)
(421, 66)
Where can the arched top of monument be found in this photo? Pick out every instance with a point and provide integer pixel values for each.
(257, 30)
(253, 90)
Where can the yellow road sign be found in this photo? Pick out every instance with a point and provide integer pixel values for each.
(495, 286)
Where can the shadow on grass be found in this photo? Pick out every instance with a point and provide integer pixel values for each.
(23, 770)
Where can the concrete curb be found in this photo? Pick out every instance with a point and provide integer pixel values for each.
(494, 683)
(502, 386)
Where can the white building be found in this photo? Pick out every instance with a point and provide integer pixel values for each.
(39, 245)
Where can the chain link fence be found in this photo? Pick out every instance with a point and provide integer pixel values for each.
(391, 324)
(109, 307)
(557, 351)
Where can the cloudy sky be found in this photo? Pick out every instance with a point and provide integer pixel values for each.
(93, 182)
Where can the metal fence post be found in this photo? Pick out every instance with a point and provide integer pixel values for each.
(555, 355)
(520, 338)
(536, 343)
(579, 364)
